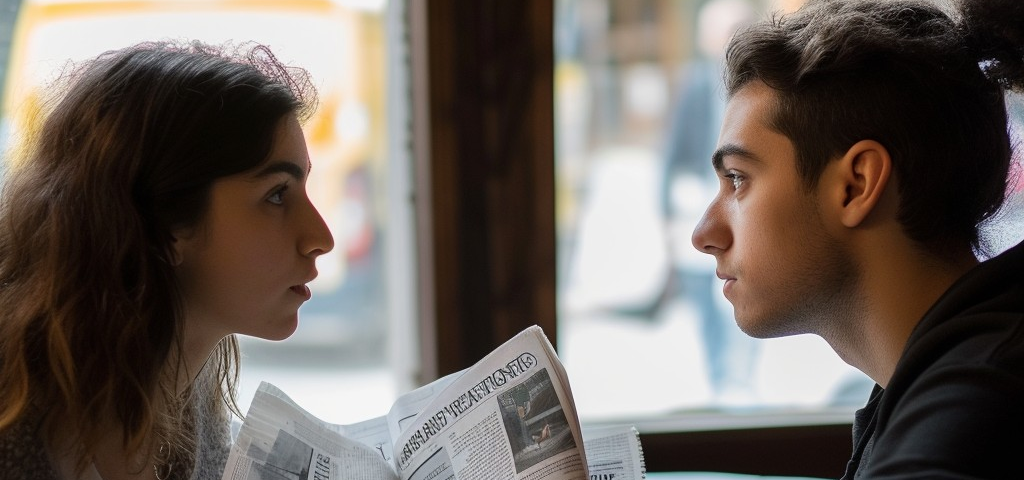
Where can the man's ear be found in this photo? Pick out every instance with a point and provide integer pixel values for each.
(865, 171)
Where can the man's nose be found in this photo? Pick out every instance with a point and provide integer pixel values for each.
(711, 234)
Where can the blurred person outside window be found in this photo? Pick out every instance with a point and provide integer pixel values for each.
(686, 184)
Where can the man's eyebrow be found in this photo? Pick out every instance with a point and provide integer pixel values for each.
(282, 167)
(731, 149)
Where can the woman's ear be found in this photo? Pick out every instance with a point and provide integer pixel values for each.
(865, 171)
(175, 256)
(180, 240)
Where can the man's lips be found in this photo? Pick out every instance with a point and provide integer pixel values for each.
(729, 280)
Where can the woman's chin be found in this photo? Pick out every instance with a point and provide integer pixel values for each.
(280, 331)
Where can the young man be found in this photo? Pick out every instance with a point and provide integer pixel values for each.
(863, 144)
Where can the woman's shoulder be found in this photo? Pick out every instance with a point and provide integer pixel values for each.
(213, 445)
(23, 454)
(213, 435)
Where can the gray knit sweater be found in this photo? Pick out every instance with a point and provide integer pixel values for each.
(23, 455)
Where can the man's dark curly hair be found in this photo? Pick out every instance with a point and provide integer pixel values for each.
(927, 84)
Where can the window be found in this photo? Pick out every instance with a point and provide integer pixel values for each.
(643, 329)
(638, 106)
(347, 341)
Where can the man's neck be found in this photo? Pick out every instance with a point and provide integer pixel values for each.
(898, 286)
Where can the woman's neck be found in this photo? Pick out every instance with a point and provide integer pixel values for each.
(107, 458)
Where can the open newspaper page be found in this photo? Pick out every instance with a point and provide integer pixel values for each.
(407, 407)
(614, 453)
(273, 412)
(510, 416)
(279, 440)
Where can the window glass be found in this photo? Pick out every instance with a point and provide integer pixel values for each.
(643, 326)
(343, 341)
(644, 329)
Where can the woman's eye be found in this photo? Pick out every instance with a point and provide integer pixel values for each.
(277, 196)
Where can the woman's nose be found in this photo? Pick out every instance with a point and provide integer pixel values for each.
(318, 239)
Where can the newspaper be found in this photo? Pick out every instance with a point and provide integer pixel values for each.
(510, 416)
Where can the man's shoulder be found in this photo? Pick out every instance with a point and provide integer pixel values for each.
(985, 305)
(984, 330)
(974, 332)
(954, 400)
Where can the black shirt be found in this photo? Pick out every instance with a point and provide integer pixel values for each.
(954, 407)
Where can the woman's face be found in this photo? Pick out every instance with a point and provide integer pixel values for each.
(245, 266)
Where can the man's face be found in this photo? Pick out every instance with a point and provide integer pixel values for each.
(784, 274)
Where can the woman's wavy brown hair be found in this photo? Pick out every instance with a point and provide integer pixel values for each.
(90, 312)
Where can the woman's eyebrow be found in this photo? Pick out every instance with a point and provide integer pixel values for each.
(290, 168)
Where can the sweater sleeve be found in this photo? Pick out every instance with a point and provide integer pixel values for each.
(213, 442)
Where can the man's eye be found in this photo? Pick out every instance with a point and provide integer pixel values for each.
(735, 178)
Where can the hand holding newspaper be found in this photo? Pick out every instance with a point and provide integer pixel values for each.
(510, 416)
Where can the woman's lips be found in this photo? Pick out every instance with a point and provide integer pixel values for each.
(302, 291)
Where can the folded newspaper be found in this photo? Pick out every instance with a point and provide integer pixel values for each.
(510, 416)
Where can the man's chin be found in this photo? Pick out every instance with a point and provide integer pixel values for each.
(763, 328)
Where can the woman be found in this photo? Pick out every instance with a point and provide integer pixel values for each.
(159, 210)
